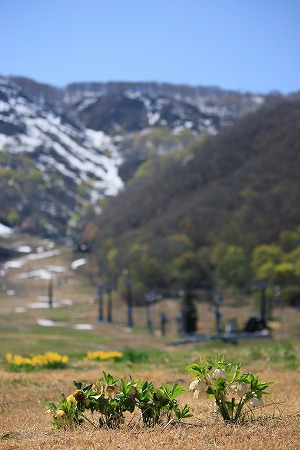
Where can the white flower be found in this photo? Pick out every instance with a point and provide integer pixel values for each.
(256, 402)
(196, 393)
(219, 373)
(200, 385)
(110, 392)
(241, 389)
(194, 384)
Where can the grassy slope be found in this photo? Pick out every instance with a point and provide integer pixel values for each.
(20, 332)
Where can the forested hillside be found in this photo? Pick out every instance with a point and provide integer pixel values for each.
(199, 215)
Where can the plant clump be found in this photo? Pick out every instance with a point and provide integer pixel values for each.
(110, 398)
(236, 394)
(48, 360)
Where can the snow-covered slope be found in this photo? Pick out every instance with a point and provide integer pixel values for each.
(49, 168)
(26, 126)
(5, 231)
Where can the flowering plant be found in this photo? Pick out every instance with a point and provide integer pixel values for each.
(231, 389)
(101, 355)
(48, 360)
(111, 397)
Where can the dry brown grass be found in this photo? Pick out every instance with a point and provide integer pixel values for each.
(29, 427)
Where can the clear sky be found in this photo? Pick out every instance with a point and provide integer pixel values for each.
(246, 45)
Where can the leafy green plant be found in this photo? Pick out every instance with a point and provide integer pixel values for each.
(156, 404)
(236, 394)
(111, 397)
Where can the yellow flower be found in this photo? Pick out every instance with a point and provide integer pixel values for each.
(60, 413)
(102, 355)
(9, 357)
(71, 399)
(36, 360)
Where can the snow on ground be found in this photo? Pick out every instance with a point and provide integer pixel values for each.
(49, 323)
(18, 263)
(57, 269)
(5, 231)
(52, 323)
(63, 301)
(41, 305)
(48, 254)
(14, 264)
(41, 274)
(24, 249)
(83, 326)
(78, 263)
(99, 138)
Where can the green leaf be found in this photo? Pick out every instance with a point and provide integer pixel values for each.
(194, 369)
(6, 436)
(109, 378)
(87, 387)
(177, 390)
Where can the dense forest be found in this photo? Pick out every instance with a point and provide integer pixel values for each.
(222, 210)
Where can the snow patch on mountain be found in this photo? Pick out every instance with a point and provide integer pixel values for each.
(78, 154)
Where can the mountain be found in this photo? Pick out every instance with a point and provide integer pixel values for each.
(63, 150)
(48, 166)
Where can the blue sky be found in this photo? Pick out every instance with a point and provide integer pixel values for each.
(234, 44)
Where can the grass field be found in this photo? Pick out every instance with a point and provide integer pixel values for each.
(24, 312)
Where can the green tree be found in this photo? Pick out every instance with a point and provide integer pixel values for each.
(233, 266)
(289, 239)
(190, 273)
(148, 271)
(264, 260)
